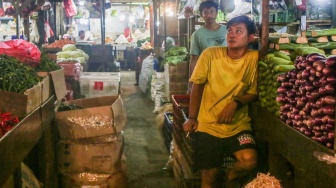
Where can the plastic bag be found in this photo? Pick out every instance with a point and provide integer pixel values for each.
(34, 34)
(70, 8)
(277, 6)
(48, 31)
(241, 9)
(187, 10)
(24, 51)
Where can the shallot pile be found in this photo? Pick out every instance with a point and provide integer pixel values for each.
(264, 181)
(307, 97)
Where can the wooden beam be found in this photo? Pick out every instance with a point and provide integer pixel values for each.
(263, 47)
(333, 13)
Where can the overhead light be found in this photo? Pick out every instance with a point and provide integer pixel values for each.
(122, 17)
(81, 3)
(131, 18)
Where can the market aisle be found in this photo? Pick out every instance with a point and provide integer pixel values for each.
(145, 152)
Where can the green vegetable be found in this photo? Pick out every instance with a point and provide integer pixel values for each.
(15, 76)
(324, 45)
(47, 64)
(318, 39)
(324, 32)
(299, 40)
(307, 50)
(282, 55)
(283, 68)
(279, 40)
(289, 46)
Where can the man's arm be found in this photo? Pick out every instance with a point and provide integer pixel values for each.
(227, 114)
(192, 64)
(195, 102)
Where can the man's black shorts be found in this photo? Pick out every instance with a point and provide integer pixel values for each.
(211, 150)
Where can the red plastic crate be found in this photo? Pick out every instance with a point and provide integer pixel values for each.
(181, 101)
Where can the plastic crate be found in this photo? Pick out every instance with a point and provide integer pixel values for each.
(94, 84)
(181, 101)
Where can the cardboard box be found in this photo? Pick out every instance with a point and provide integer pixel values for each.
(53, 83)
(47, 90)
(21, 104)
(16, 144)
(98, 158)
(110, 106)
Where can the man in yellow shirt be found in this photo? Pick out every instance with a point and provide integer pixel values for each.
(224, 82)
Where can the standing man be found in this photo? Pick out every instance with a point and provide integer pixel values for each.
(210, 34)
(224, 82)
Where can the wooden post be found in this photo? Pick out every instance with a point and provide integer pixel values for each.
(263, 47)
(333, 13)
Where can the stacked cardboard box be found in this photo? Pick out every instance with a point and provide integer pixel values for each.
(176, 78)
(90, 149)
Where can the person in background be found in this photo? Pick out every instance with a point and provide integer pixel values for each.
(224, 83)
(210, 34)
(81, 35)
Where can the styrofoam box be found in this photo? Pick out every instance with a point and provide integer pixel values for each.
(94, 84)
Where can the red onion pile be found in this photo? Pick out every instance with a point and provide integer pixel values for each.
(307, 97)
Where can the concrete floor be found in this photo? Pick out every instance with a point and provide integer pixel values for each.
(145, 151)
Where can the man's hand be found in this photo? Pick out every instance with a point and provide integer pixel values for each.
(190, 125)
(227, 113)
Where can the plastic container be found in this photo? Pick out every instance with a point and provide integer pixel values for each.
(94, 84)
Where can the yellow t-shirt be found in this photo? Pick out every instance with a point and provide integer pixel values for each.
(224, 80)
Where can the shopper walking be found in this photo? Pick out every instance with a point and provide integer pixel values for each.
(224, 82)
(210, 34)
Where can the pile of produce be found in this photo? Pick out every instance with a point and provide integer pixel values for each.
(7, 122)
(307, 96)
(70, 54)
(175, 55)
(60, 43)
(323, 39)
(47, 64)
(264, 181)
(273, 65)
(15, 76)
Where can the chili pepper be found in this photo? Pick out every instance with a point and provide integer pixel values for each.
(7, 122)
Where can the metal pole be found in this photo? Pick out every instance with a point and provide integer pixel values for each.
(102, 22)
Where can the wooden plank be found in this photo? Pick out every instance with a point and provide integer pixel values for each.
(264, 38)
(296, 148)
(48, 112)
(17, 143)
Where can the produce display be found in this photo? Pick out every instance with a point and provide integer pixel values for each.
(59, 43)
(307, 97)
(47, 64)
(7, 122)
(273, 65)
(16, 76)
(175, 55)
(70, 53)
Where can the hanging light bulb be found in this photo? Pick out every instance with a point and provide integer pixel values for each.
(81, 3)
(122, 17)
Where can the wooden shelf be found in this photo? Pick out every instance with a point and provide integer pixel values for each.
(296, 149)
(315, 22)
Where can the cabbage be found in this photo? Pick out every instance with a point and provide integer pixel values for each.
(86, 56)
(81, 60)
(80, 50)
(63, 54)
(69, 47)
(76, 54)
